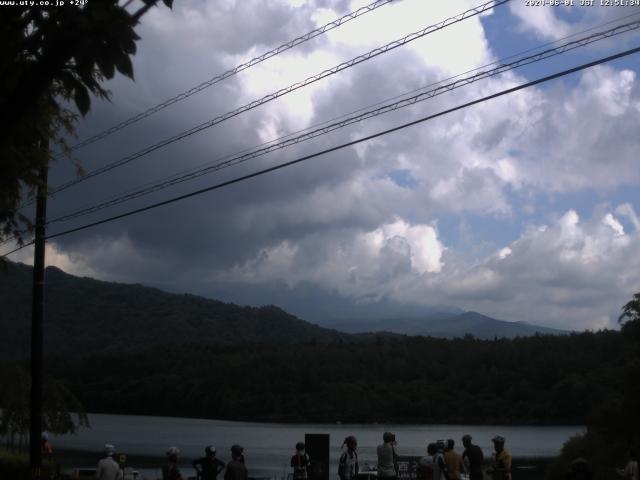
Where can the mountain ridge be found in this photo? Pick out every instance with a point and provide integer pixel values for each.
(87, 316)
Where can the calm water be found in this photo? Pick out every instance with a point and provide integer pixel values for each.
(269, 446)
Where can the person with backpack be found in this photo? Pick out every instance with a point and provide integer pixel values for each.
(440, 471)
(388, 457)
(501, 465)
(208, 467)
(424, 468)
(236, 469)
(300, 462)
(348, 466)
(473, 458)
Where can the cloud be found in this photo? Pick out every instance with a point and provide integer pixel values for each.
(572, 273)
(358, 263)
(366, 221)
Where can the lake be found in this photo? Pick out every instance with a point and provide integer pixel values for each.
(269, 446)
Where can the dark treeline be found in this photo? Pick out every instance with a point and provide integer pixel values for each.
(534, 380)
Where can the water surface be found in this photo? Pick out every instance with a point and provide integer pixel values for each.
(269, 446)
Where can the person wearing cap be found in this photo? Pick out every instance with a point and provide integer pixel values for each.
(348, 466)
(473, 458)
(208, 467)
(108, 468)
(236, 469)
(453, 460)
(388, 457)
(300, 462)
(170, 470)
(501, 465)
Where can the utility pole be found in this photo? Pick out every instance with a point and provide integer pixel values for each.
(37, 316)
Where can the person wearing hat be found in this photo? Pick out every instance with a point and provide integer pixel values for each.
(236, 469)
(473, 458)
(388, 457)
(208, 467)
(501, 465)
(108, 468)
(348, 466)
(170, 469)
(300, 462)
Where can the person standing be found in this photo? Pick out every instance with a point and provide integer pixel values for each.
(108, 468)
(630, 471)
(453, 460)
(425, 467)
(388, 457)
(236, 469)
(46, 448)
(208, 467)
(300, 462)
(348, 466)
(501, 465)
(439, 465)
(170, 470)
(473, 457)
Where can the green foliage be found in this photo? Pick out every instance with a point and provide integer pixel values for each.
(13, 465)
(613, 427)
(535, 380)
(62, 413)
(51, 55)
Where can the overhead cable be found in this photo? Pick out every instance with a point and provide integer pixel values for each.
(405, 102)
(326, 73)
(348, 144)
(229, 73)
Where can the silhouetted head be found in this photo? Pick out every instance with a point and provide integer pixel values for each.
(173, 453)
(388, 437)
(210, 451)
(466, 440)
(236, 452)
(450, 444)
(498, 443)
(300, 447)
(351, 442)
(431, 449)
(109, 449)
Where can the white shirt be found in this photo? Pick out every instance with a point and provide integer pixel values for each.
(108, 469)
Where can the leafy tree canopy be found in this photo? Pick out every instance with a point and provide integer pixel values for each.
(49, 56)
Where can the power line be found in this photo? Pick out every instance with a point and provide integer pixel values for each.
(480, 75)
(244, 66)
(326, 73)
(18, 248)
(348, 144)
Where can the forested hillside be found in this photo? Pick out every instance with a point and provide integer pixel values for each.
(85, 316)
(535, 380)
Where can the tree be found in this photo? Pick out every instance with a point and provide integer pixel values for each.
(631, 310)
(63, 413)
(51, 55)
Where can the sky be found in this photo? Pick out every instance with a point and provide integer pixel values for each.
(525, 207)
